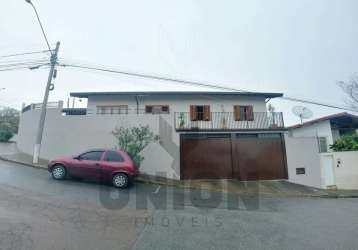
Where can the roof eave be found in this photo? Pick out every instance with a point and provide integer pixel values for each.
(322, 119)
(87, 94)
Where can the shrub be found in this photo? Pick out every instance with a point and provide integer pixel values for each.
(5, 132)
(9, 121)
(346, 143)
(134, 140)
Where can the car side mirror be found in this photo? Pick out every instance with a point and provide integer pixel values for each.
(77, 158)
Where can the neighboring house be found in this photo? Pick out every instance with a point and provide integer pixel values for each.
(202, 134)
(326, 129)
(310, 160)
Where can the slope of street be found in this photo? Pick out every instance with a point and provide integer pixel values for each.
(40, 213)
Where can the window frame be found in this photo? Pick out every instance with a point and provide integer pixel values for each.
(92, 151)
(149, 109)
(320, 140)
(244, 112)
(101, 109)
(199, 110)
(204, 115)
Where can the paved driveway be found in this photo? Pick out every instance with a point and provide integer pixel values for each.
(37, 212)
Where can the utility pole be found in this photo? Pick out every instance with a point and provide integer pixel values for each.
(37, 146)
(53, 63)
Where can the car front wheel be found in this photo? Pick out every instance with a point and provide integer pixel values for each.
(120, 180)
(58, 172)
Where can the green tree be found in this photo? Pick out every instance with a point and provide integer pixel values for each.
(9, 123)
(346, 143)
(134, 140)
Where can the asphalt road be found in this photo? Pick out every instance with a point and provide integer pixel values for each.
(37, 212)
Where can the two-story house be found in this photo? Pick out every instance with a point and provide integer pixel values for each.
(201, 134)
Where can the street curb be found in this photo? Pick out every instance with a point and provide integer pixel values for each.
(179, 184)
(143, 178)
(23, 163)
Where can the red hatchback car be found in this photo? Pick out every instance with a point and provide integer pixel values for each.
(106, 165)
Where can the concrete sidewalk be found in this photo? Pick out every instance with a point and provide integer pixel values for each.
(9, 152)
(277, 188)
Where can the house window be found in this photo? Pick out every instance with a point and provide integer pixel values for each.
(101, 110)
(322, 144)
(200, 113)
(157, 109)
(243, 113)
(112, 110)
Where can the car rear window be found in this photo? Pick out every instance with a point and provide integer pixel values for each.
(113, 156)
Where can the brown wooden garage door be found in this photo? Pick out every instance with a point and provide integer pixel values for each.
(240, 156)
(206, 157)
(258, 157)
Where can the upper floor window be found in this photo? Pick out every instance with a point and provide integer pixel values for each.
(243, 113)
(157, 109)
(200, 113)
(112, 110)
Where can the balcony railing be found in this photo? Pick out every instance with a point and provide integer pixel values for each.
(50, 105)
(228, 121)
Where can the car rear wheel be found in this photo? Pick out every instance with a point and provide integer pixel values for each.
(120, 180)
(58, 172)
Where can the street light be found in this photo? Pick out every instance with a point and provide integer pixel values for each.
(53, 61)
(42, 29)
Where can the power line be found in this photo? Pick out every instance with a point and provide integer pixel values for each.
(192, 83)
(160, 78)
(318, 103)
(22, 63)
(25, 53)
(19, 60)
(22, 67)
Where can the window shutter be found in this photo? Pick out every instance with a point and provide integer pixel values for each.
(249, 113)
(206, 113)
(237, 112)
(193, 115)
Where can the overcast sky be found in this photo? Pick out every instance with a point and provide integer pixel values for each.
(298, 47)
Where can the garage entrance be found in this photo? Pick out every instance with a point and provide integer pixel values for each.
(227, 156)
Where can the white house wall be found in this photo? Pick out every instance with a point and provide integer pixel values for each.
(320, 129)
(303, 153)
(70, 135)
(73, 134)
(345, 169)
(179, 103)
